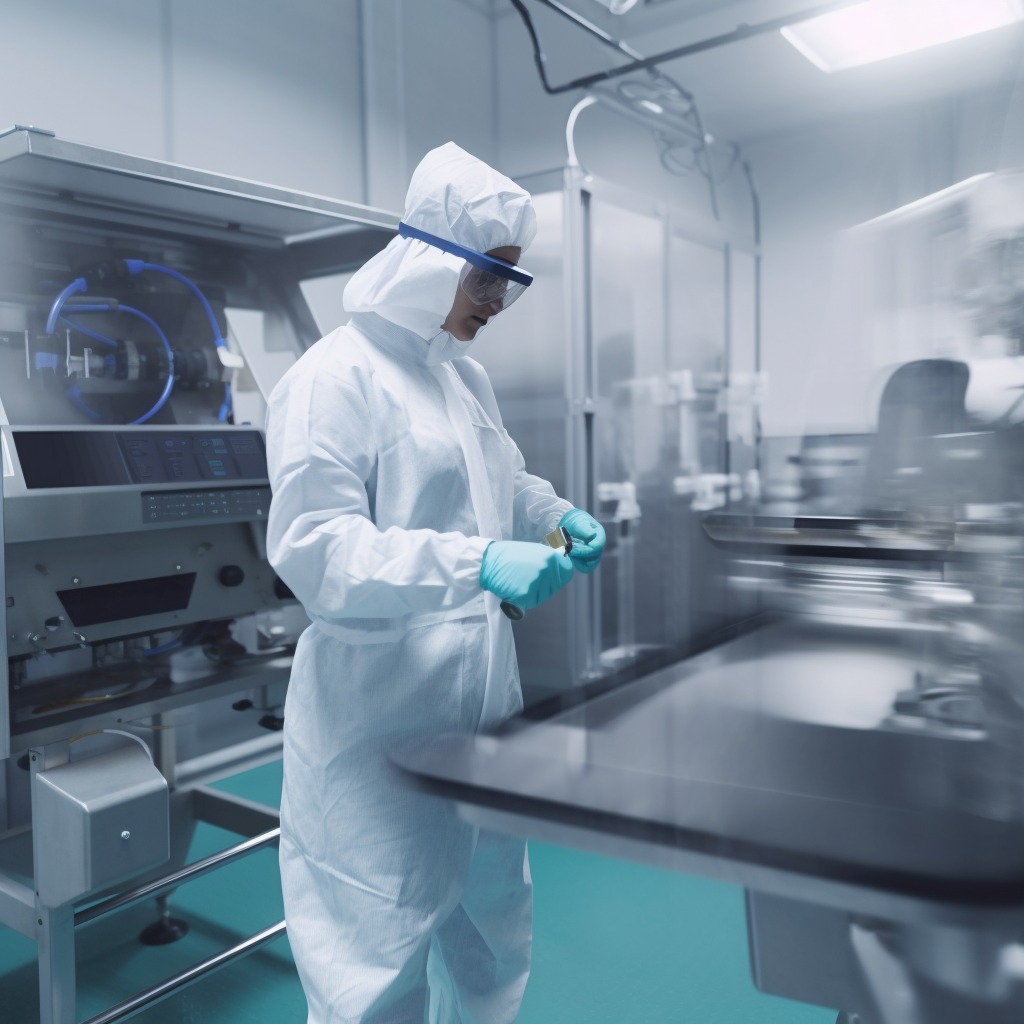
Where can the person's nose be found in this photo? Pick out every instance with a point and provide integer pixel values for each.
(493, 307)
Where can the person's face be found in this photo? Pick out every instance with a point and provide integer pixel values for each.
(466, 318)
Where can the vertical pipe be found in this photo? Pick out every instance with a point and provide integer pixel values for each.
(727, 362)
(385, 168)
(167, 61)
(5, 715)
(755, 202)
(584, 621)
(364, 104)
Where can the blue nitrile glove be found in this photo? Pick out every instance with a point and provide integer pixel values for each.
(587, 539)
(522, 573)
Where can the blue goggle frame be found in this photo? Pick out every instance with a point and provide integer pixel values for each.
(491, 264)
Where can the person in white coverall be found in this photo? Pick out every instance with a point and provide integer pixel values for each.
(402, 517)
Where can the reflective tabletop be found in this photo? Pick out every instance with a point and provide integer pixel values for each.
(779, 761)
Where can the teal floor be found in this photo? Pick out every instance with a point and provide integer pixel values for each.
(614, 942)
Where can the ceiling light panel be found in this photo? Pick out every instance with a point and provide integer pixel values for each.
(878, 29)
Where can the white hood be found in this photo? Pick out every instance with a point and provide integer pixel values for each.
(457, 197)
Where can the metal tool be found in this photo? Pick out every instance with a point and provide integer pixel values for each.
(560, 540)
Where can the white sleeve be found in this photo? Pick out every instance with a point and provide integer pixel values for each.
(321, 539)
(536, 509)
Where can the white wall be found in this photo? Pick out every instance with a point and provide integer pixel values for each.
(269, 91)
(92, 72)
(818, 181)
(340, 98)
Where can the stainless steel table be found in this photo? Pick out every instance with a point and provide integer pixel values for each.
(888, 851)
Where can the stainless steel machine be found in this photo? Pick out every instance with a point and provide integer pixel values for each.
(629, 378)
(855, 760)
(145, 310)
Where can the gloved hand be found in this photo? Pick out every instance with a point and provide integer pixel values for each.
(587, 539)
(522, 573)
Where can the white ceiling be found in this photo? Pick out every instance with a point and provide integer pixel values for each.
(761, 86)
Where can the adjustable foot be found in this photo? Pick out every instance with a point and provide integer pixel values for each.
(165, 929)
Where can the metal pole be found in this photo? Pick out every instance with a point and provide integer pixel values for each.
(158, 993)
(5, 710)
(200, 867)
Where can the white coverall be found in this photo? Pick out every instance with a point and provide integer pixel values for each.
(391, 473)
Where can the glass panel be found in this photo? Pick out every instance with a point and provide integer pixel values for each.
(323, 295)
(632, 431)
(746, 386)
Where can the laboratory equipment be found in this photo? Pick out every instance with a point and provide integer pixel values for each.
(629, 378)
(854, 759)
(146, 310)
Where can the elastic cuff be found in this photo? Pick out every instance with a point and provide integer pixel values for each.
(555, 516)
(472, 559)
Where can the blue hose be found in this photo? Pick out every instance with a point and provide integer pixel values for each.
(138, 266)
(163, 648)
(74, 394)
(78, 285)
(85, 330)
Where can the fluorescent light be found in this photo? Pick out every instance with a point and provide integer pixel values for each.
(617, 6)
(650, 106)
(878, 29)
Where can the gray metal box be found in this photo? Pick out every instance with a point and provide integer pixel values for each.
(97, 821)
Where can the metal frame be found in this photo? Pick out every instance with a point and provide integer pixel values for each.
(53, 928)
(178, 982)
(46, 170)
(579, 187)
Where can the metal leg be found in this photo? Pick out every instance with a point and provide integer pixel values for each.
(888, 979)
(55, 941)
(55, 926)
(165, 929)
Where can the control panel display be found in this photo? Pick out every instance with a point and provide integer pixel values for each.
(63, 458)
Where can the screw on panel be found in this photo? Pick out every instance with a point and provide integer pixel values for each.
(126, 834)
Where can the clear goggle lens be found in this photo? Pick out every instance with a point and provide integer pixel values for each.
(484, 288)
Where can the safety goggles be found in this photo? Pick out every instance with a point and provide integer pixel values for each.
(484, 279)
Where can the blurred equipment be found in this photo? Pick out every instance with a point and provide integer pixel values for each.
(139, 304)
(645, 315)
(857, 761)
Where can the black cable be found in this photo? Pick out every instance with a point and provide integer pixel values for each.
(739, 33)
(541, 61)
(538, 53)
